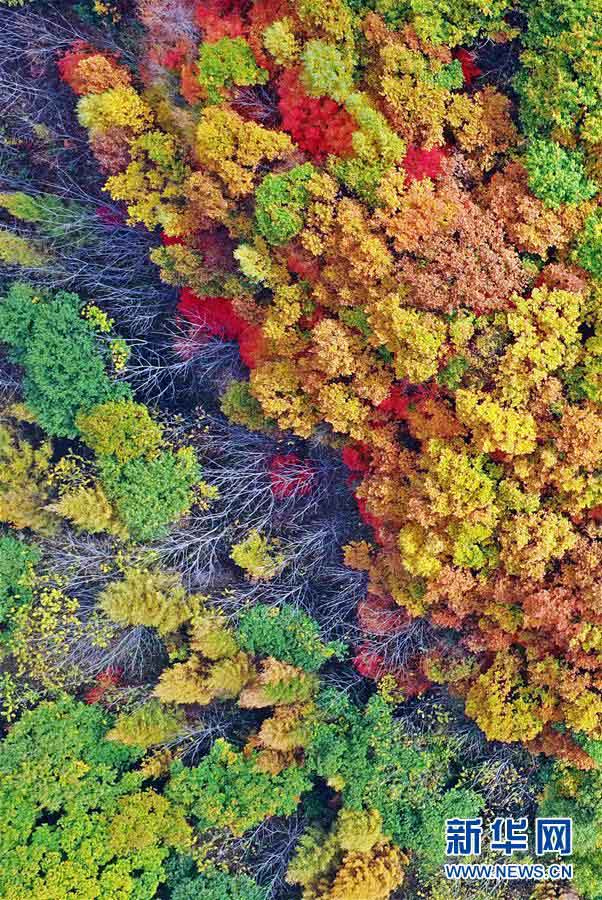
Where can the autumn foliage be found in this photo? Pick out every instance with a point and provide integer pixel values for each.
(402, 272)
(356, 249)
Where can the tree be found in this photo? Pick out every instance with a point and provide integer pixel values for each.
(557, 82)
(48, 211)
(258, 556)
(19, 251)
(24, 486)
(280, 201)
(154, 599)
(90, 510)
(215, 884)
(364, 754)
(588, 245)
(146, 726)
(576, 795)
(150, 494)
(557, 175)
(330, 866)
(228, 790)
(225, 63)
(122, 429)
(63, 362)
(17, 561)
(287, 634)
(77, 819)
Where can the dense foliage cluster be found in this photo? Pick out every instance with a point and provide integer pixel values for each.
(428, 288)
(300, 443)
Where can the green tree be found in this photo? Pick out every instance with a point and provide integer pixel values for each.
(588, 249)
(577, 795)
(214, 884)
(226, 62)
(63, 362)
(364, 753)
(56, 217)
(17, 561)
(150, 494)
(557, 175)
(280, 201)
(240, 406)
(451, 22)
(558, 83)
(228, 790)
(76, 819)
(287, 634)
